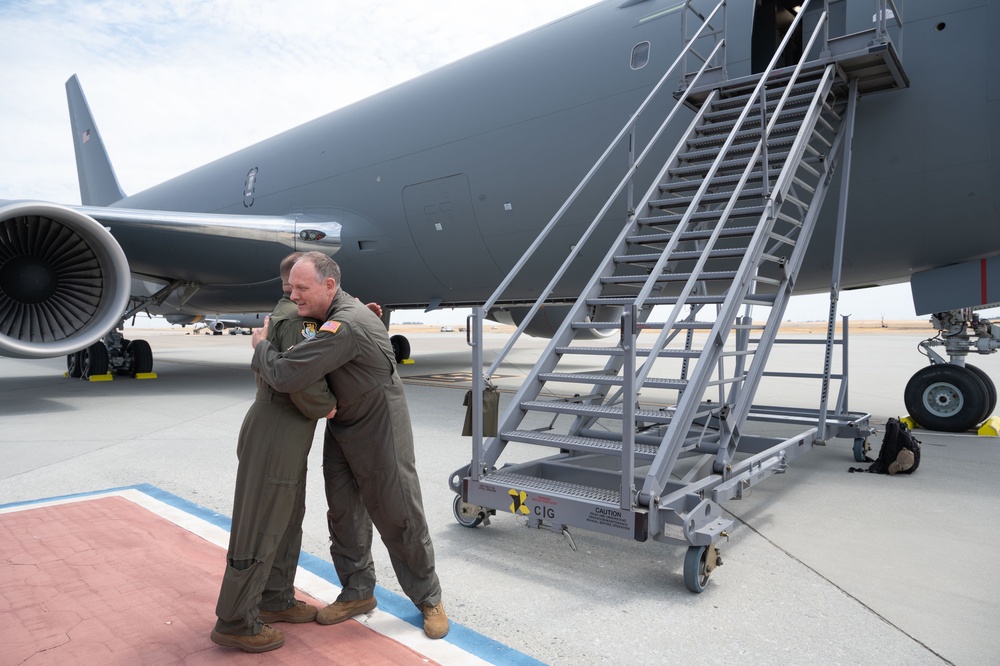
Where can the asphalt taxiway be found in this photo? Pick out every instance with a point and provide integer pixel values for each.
(823, 566)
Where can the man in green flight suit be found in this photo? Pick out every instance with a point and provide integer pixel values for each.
(269, 504)
(368, 459)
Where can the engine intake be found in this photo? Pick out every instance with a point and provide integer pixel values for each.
(64, 280)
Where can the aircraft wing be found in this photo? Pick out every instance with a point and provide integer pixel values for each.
(68, 270)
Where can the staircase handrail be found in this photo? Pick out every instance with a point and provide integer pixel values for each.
(647, 288)
(577, 247)
(881, 25)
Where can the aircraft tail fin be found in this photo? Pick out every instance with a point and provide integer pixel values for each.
(98, 182)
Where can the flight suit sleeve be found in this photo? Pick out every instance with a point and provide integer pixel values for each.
(315, 401)
(306, 362)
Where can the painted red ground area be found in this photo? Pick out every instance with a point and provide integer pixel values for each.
(104, 581)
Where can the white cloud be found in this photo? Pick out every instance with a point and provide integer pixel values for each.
(175, 85)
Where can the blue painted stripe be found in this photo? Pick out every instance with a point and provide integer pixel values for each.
(471, 641)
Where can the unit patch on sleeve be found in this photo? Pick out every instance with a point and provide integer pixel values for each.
(330, 327)
(308, 330)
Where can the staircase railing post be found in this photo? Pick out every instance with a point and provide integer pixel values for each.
(474, 337)
(763, 141)
(628, 341)
(630, 205)
(838, 249)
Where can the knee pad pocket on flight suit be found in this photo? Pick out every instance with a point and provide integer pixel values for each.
(390, 508)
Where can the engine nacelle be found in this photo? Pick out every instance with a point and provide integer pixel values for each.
(550, 317)
(64, 280)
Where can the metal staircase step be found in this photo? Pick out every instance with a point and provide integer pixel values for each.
(720, 181)
(643, 352)
(710, 154)
(793, 102)
(738, 98)
(599, 379)
(650, 258)
(709, 198)
(743, 135)
(744, 87)
(699, 169)
(700, 216)
(752, 299)
(552, 488)
(697, 234)
(577, 443)
(596, 411)
(666, 277)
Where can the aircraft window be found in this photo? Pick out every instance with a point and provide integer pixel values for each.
(640, 55)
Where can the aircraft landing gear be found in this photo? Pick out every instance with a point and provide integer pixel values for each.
(954, 396)
(400, 347)
(947, 397)
(114, 354)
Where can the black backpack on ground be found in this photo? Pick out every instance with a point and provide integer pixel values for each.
(897, 438)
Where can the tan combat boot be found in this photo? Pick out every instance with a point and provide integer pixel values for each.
(268, 639)
(435, 621)
(339, 611)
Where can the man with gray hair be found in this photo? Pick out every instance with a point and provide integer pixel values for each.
(368, 459)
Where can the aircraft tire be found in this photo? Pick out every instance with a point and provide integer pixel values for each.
(400, 347)
(946, 397)
(142, 356)
(74, 365)
(94, 360)
(991, 390)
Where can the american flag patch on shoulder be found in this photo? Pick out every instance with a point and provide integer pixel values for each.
(330, 327)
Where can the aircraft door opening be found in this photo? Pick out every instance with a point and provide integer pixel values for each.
(447, 236)
(771, 21)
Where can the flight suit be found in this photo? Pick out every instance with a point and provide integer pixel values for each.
(368, 459)
(269, 502)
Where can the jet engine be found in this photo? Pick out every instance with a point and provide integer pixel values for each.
(64, 280)
(548, 319)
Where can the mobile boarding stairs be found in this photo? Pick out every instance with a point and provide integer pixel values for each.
(645, 442)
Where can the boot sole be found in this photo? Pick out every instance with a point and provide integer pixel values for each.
(230, 641)
(439, 636)
(367, 608)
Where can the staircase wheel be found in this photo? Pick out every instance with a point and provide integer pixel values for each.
(696, 571)
(860, 448)
(463, 519)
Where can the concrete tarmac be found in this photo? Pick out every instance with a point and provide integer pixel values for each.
(823, 567)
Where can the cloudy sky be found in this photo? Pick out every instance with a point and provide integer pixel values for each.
(176, 84)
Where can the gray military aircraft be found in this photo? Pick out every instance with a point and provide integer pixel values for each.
(428, 193)
(217, 324)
